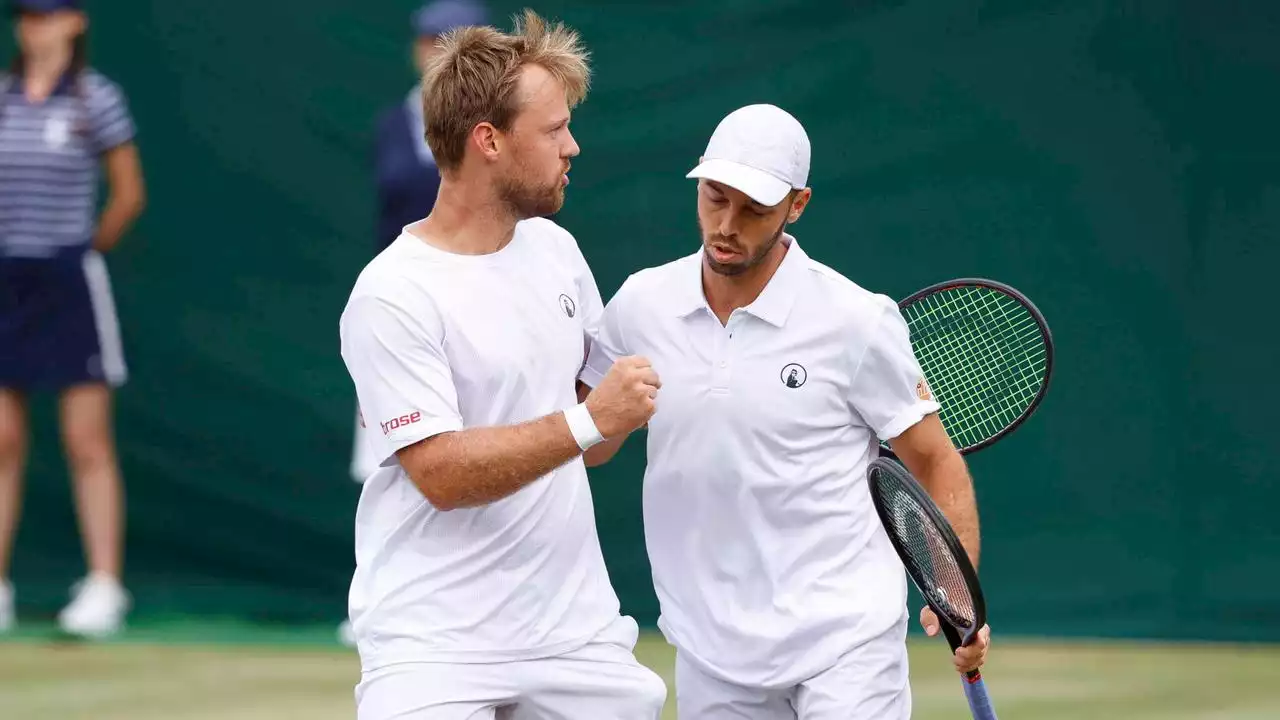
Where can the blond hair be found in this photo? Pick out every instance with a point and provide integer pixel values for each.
(473, 79)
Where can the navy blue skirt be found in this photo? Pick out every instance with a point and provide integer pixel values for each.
(58, 324)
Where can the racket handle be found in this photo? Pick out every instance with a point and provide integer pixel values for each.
(975, 691)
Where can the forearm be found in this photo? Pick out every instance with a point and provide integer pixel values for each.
(478, 466)
(116, 218)
(949, 484)
(600, 454)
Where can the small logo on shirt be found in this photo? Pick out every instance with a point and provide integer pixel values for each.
(922, 390)
(566, 304)
(794, 375)
(399, 422)
(57, 132)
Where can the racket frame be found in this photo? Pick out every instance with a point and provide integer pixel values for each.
(975, 688)
(955, 636)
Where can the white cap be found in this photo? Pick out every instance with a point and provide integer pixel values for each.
(759, 149)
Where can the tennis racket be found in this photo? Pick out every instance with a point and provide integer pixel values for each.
(987, 356)
(936, 562)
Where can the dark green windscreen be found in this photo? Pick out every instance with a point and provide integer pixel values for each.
(1117, 160)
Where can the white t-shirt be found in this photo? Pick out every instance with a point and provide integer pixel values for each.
(768, 558)
(437, 342)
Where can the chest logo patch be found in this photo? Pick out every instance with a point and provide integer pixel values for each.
(794, 375)
(57, 132)
(566, 304)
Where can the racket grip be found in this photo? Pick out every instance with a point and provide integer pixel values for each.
(975, 691)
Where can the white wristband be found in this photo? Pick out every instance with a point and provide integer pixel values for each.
(582, 426)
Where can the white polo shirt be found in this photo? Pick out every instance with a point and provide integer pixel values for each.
(437, 342)
(768, 558)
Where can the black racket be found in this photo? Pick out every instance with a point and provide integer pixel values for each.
(936, 562)
(987, 355)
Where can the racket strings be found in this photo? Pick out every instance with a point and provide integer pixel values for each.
(983, 354)
(934, 567)
(980, 356)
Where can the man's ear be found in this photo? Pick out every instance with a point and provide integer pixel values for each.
(485, 136)
(798, 204)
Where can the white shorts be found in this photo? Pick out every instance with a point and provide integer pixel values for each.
(601, 680)
(868, 683)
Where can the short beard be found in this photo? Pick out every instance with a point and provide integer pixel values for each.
(526, 200)
(738, 268)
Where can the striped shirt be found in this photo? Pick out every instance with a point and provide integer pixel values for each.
(49, 162)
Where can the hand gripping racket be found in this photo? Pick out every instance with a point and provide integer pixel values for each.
(986, 353)
(936, 562)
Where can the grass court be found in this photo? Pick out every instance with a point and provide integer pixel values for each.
(183, 671)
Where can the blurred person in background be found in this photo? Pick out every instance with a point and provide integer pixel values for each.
(405, 173)
(61, 125)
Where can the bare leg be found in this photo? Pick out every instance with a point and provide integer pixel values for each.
(91, 456)
(13, 458)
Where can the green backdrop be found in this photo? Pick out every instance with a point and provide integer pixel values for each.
(1116, 160)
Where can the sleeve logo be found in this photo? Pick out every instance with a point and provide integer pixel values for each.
(922, 390)
(399, 422)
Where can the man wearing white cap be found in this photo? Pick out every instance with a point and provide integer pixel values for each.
(777, 583)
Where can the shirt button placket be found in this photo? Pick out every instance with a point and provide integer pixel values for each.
(724, 360)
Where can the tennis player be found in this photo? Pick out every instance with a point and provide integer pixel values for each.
(778, 586)
(480, 590)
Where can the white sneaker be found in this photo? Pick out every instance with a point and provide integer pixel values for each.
(6, 606)
(97, 608)
(346, 635)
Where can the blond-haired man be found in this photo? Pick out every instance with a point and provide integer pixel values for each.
(480, 590)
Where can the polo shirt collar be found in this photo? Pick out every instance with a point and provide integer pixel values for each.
(774, 302)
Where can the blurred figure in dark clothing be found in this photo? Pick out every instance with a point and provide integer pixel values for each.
(407, 177)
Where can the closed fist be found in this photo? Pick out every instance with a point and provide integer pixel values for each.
(625, 399)
(966, 658)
